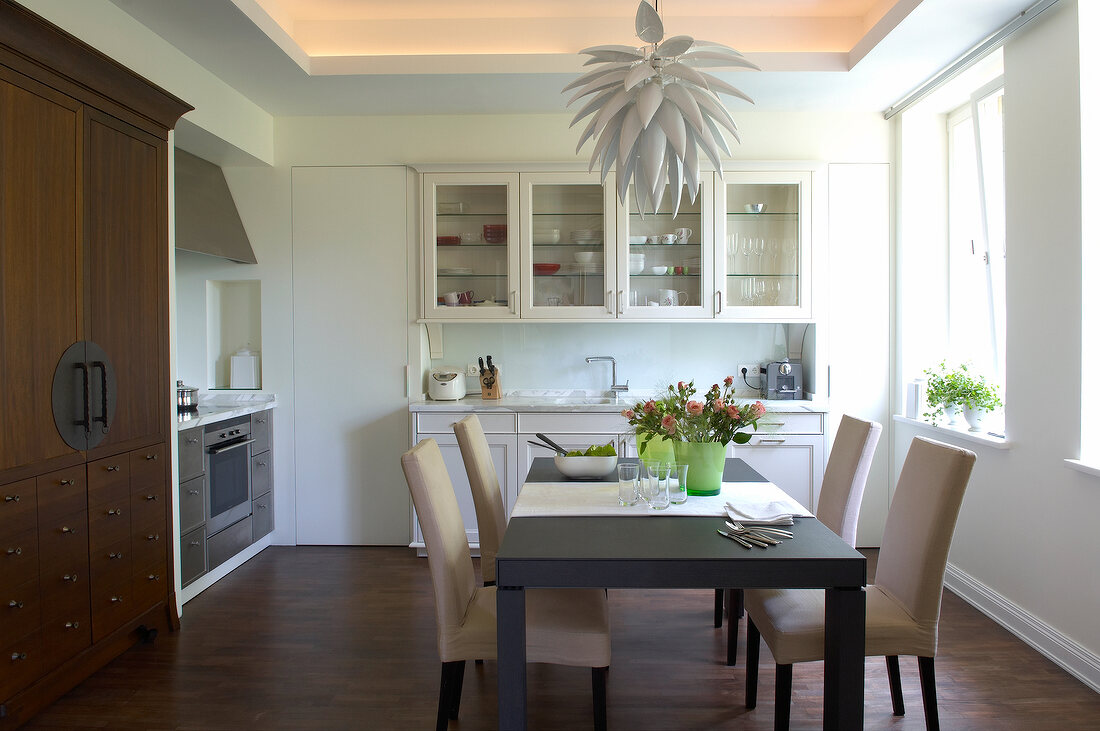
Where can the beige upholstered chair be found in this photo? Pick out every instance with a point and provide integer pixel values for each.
(564, 626)
(488, 503)
(838, 503)
(903, 605)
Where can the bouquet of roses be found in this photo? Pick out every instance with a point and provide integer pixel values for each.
(680, 417)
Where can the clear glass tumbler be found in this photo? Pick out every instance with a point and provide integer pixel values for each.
(647, 486)
(677, 483)
(658, 487)
(628, 484)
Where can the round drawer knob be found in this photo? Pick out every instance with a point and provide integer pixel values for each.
(153, 577)
(11, 498)
(153, 537)
(17, 551)
(114, 511)
(72, 625)
(150, 456)
(114, 556)
(15, 604)
(113, 468)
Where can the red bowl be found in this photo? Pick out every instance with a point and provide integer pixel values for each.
(495, 233)
(448, 240)
(546, 268)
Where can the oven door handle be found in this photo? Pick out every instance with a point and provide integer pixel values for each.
(219, 450)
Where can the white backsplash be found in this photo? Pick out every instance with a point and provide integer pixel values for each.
(650, 355)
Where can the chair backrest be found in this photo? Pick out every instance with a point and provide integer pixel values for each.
(846, 476)
(449, 559)
(920, 524)
(485, 486)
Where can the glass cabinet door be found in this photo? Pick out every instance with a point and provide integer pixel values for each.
(665, 260)
(471, 245)
(566, 260)
(762, 267)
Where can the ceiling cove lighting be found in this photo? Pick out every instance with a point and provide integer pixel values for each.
(652, 110)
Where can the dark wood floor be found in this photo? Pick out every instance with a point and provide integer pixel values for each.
(344, 638)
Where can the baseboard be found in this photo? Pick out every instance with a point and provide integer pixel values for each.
(1071, 656)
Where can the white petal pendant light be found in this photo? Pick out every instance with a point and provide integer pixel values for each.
(652, 109)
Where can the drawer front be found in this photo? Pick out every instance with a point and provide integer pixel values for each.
(190, 453)
(110, 564)
(787, 423)
(147, 505)
(443, 423)
(150, 545)
(19, 611)
(567, 423)
(261, 473)
(149, 586)
(192, 502)
(18, 507)
(112, 605)
(20, 664)
(228, 543)
(108, 523)
(261, 431)
(263, 516)
(108, 479)
(192, 556)
(62, 493)
(64, 540)
(18, 558)
(64, 585)
(147, 467)
(66, 634)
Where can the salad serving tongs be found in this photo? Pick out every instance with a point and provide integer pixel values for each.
(556, 450)
(556, 447)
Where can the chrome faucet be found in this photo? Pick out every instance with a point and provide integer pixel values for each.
(615, 386)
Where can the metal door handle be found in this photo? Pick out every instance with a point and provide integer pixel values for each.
(114, 511)
(14, 604)
(219, 450)
(17, 551)
(150, 497)
(67, 482)
(153, 577)
(113, 468)
(719, 295)
(113, 556)
(103, 382)
(153, 537)
(69, 577)
(512, 302)
(192, 440)
(11, 498)
(620, 302)
(19, 656)
(86, 422)
(150, 456)
(66, 529)
(116, 600)
(611, 302)
(772, 441)
(72, 625)
(192, 492)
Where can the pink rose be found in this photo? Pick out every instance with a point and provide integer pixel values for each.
(628, 413)
(729, 380)
(719, 405)
(758, 409)
(669, 423)
(715, 388)
(680, 385)
(694, 408)
(733, 412)
(649, 407)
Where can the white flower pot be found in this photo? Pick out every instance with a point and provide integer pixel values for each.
(951, 411)
(974, 417)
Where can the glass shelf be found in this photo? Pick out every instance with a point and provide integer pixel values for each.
(474, 276)
(470, 215)
(760, 274)
(667, 246)
(467, 246)
(666, 276)
(569, 243)
(590, 214)
(765, 214)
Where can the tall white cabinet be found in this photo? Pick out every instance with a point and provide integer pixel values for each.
(350, 354)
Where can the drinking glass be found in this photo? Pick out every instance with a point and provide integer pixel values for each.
(647, 488)
(658, 487)
(628, 484)
(677, 483)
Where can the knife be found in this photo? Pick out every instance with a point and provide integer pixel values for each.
(733, 538)
(489, 363)
(481, 365)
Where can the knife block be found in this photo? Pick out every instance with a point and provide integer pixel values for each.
(490, 392)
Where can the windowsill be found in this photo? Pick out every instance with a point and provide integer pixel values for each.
(950, 432)
(1081, 466)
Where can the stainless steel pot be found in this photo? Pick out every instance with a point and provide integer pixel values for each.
(186, 397)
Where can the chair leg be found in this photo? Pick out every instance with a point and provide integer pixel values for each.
(599, 698)
(893, 672)
(927, 667)
(456, 688)
(446, 689)
(733, 624)
(718, 607)
(752, 664)
(783, 678)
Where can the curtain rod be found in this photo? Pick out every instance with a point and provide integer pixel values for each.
(968, 59)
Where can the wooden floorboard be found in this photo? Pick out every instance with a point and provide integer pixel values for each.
(344, 638)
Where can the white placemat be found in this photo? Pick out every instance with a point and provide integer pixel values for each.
(540, 499)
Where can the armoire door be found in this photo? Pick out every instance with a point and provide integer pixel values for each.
(39, 266)
(125, 265)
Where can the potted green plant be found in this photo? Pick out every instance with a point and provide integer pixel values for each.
(949, 391)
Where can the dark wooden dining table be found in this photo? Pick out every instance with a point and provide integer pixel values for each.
(676, 552)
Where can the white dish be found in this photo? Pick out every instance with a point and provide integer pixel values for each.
(580, 467)
(636, 267)
(637, 239)
(586, 257)
(456, 270)
(658, 270)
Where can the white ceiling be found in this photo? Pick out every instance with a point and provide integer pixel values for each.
(351, 57)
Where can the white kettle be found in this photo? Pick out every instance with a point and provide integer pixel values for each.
(446, 383)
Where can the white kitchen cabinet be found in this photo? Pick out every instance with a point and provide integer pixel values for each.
(789, 450)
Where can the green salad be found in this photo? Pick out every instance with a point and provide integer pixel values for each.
(596, 450)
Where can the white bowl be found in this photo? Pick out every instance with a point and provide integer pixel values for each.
(548, 236)
(636, 267)
(658, 270)
(585, 466)
(637, 239)
(586, 257)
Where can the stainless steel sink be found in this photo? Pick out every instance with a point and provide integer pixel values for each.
(585, 400)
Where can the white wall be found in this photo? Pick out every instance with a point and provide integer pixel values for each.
(1040, 582)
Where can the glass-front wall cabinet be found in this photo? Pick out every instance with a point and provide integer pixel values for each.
(666, 258)
(762, 266)
(567, 255)
(471, 266)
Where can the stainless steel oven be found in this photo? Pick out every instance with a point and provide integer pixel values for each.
(228, 455)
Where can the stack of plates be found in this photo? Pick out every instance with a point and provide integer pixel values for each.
(456, 270)
(586, 236)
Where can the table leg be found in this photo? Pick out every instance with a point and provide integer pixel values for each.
(511, 658)
(845, 631)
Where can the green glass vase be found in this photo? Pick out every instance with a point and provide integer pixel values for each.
(706, 461)
(658, 448)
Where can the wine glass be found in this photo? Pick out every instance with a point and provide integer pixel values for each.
(758, 248)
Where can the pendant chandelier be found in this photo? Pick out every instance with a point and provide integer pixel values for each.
(652, 110)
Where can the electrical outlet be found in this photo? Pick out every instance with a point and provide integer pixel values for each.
(750, 370)
(471, 369)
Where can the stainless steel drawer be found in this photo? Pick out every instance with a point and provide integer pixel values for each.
(261, 431)
(192, 503)
(228, 543)
(261, 473)
(263, 516)
(190, 453)
(192, 556)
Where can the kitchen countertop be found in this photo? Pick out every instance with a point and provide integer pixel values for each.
(219, 407)
(582, 402)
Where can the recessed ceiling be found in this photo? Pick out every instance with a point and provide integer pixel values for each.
(351, 57)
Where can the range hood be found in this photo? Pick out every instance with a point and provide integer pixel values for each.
(207, 221)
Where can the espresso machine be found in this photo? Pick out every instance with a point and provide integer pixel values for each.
(783, 379)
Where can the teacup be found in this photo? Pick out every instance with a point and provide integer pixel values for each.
(671, 298)
(465, 298)
(668, 238)
(450, 299)
(683, 234)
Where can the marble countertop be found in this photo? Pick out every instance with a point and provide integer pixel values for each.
(219, 407)
(581, 402)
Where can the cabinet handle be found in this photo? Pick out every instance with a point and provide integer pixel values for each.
(113, 468)
(113, 556)
(14, 604)
(18, 656)
(69, 577)
(718, 294)
(67, 482)
(150, 456)
(116, 600)
(192, 492)
(610, 302)
(150, 497)
(192, 440)
(153, 577)
(102, 419)
(17, 551)
(86, 422)
(66, 529)
(776, 424)
(620, 302)
(512, 302)
(261, 464)
(261, 506)
(72, 625)
(153, 537)
(195, 543)
(114, 511)
(261, 421)
(12, 498)
(771, 441)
